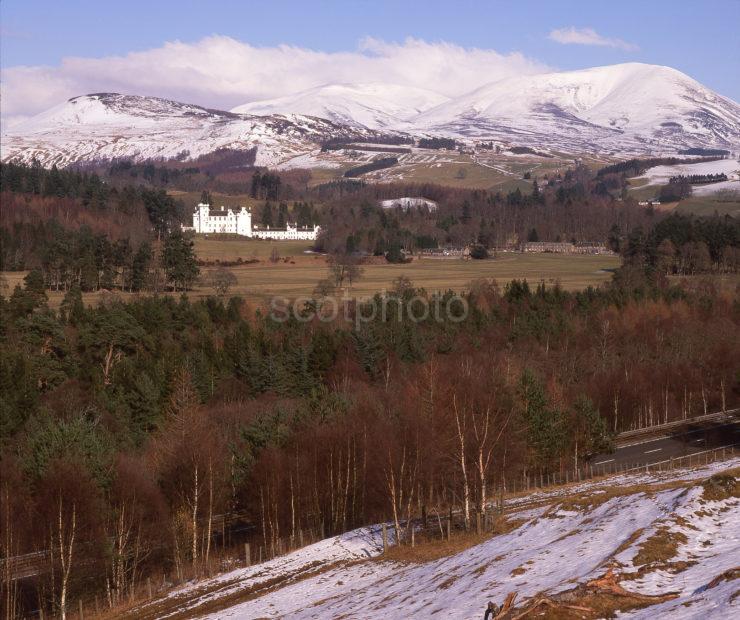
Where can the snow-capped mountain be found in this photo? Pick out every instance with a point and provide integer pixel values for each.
(373, 105)
(105, 126)
(627, 107)
(622, 109)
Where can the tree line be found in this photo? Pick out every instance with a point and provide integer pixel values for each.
(576, 205)
(685, 245)
(376, 164)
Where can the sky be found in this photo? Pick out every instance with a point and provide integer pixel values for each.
(223, 54)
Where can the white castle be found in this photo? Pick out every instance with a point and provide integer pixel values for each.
(226, 221)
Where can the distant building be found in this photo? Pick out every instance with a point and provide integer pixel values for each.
(645, 203)
(230, 222)
(407, 202)
(557, 247)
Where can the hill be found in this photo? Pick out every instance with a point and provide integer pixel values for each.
(650, 545)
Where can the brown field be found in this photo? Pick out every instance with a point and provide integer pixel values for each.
(230, 248)
(297, 274)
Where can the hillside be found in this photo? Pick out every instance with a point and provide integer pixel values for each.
(618, 108)
(106, 126)
(667, 544)
(374, 105)
(612, 110)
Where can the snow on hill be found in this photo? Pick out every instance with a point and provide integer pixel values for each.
(660, 175)
(374, 105)
(670, 533)
(629, 108)
(626, 107)
(108, 125)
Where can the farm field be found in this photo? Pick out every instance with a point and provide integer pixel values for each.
(708, 206)
(297, 275)
(231, 248)
(483, 170)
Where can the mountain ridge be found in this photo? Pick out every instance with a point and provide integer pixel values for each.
(631, 108)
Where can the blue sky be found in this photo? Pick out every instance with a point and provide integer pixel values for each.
(698, 38)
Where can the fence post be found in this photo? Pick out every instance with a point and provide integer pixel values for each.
(79, 604)
(385, 538)
(477, 523)
(449, 526)
(413, 536)
(148, 588)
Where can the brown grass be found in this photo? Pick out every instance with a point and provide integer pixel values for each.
(659, 548)
(721, 486)
(298, 276)
(587, 501)
(432, 548)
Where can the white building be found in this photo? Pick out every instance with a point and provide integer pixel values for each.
(226, 221)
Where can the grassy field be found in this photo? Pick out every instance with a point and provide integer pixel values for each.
(232, 247)
(707, 206)
(298, 276)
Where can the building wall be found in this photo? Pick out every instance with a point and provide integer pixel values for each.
(240, 223)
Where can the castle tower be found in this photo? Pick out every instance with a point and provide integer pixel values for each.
(200, 218)
(244, 222)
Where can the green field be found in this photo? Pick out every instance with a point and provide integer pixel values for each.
(298, 277)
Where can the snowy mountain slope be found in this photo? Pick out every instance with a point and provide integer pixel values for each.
(558, 545)
(621, 109)
(373, 105)
(629, 106)
(108, 125)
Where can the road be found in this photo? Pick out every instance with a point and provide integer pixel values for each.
(689, 440)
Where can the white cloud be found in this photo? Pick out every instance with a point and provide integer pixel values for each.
(221, 72)
(588, 36)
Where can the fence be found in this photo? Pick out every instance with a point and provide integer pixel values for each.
(657, 428)
(608, 469)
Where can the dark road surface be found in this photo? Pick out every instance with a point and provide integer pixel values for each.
(690, 440)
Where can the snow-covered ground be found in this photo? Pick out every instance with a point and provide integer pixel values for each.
(107, 125)
(660, 175)
(557, 546)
